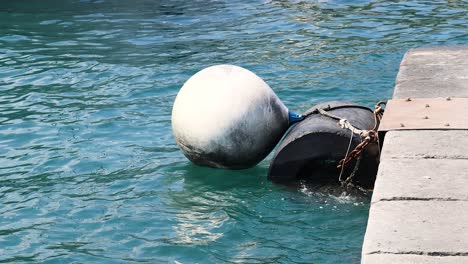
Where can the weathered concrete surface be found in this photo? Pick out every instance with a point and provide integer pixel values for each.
(419, 211)
(432, 72)
(426, 144)
(422, 179)
(435, 88)
(418, 227)
(454, 55)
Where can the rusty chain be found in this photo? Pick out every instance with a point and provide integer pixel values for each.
(367, 136)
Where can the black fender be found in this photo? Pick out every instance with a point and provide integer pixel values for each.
(312, 148)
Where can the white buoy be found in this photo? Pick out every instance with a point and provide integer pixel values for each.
(227, 117)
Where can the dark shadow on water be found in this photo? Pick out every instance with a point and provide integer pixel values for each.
(203, 179)
(222, 178)
(321, 178)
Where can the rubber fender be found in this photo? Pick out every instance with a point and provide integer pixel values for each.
(312, 148)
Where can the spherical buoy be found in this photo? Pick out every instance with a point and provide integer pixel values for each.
(227, 117)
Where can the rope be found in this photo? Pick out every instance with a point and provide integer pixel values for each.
(347, 152)
(325, 113)
(344, 123)
(348, 182)
(367, 137)
(330, 108)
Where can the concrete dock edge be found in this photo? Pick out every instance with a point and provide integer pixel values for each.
(419, 208)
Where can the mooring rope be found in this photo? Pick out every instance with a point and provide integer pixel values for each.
(367, 137)
(344, 123)
(347, 152)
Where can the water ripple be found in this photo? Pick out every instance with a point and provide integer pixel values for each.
(89, 171)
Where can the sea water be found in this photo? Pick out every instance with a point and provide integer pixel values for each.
(89, 169)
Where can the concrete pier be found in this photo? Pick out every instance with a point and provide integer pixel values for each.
(419, 210)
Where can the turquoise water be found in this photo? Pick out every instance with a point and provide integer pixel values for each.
(89, 171)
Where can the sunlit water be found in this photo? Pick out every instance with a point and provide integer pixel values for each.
(89, 170)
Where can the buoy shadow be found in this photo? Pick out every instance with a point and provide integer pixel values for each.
(222, 178)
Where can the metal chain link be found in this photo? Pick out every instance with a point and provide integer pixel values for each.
(367, 137)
